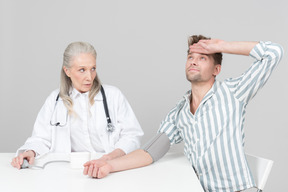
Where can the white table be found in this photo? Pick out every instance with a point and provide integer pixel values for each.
(171, 173)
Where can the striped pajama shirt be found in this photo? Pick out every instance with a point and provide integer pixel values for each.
(214, 135)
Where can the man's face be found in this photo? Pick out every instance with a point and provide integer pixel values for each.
(201, 68)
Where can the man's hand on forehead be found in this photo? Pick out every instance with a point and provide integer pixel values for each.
(206, 46)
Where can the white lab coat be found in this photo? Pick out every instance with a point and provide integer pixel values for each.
(47, 138)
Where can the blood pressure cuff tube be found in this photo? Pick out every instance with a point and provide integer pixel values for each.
(158, 146)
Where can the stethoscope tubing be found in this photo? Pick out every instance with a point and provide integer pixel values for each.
(110, 126)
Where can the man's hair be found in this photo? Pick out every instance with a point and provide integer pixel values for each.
(196, 38)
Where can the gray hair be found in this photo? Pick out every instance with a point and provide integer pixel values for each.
(72, 50)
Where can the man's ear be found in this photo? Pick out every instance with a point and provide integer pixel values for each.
(217, 69)
(67, 71)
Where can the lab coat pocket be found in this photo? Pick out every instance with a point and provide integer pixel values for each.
(61, 139)
(114, 136)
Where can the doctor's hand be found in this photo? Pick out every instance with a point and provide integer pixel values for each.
(18, 161)
(97, 168)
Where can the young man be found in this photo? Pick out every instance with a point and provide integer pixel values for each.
(209, 118)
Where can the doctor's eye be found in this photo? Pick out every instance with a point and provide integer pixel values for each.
(82, 70)
(93, 69)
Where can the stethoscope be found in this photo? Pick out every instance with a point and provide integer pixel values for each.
(110, 126)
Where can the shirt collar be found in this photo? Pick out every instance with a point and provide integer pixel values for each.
(211, 91)
(74, 93)
(209, 94)
(98, 96)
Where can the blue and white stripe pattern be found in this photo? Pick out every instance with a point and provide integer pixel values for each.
(214, 136)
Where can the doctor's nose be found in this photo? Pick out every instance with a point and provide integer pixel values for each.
(89, 75)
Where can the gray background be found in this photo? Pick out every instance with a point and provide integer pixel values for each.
(141, 48)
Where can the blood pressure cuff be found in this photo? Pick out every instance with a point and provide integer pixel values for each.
(158, 146)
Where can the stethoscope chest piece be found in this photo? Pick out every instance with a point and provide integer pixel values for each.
(110, 127)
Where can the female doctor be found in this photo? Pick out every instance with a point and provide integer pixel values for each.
(73, 119)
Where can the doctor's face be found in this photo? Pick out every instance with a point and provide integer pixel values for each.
(82, 71)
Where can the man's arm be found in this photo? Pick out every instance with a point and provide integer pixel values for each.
(100, 169)
(220, 46)
(155, 149)
(267, 55)
(113, 155)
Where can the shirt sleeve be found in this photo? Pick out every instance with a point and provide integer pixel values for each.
(169, 127)
(267, 56)
(130, 129)
(40, 141)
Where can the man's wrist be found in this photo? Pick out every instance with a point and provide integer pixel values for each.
(105, 158)
(223, 46)
(238, 47)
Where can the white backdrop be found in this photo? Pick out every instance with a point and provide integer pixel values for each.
(141, 48)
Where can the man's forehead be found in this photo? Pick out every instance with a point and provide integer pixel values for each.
(190, 53)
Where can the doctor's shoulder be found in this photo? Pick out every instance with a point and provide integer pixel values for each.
(111, 90)
(54, 94)
(114, 94)
(51, 99)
